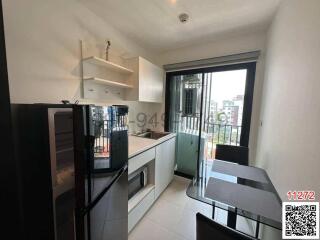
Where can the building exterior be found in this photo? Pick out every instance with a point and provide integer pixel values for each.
(231, 112)
(238, 101)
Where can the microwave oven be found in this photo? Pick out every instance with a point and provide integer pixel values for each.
(137, 181)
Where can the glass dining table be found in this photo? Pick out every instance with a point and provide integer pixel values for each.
(240, 190)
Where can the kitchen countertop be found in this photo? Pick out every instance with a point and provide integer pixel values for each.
(139, 144)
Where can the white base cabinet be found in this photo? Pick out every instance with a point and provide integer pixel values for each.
(163, 170)
(137, 213)
(164, 165)
(140, 160)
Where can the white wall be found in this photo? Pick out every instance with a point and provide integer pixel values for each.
(228, 45)
(43, 50)
(289, 139)
(225, 45)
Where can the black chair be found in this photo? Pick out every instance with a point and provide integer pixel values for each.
(236, 154)
(208, 229)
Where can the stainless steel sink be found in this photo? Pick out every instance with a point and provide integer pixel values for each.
(152, 134)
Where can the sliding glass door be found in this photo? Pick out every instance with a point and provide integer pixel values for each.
(185, 113)
(223, 108)
(206, 107)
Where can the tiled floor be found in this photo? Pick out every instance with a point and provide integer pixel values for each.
(173, 216)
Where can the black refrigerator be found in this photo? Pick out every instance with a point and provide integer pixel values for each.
(73, 175)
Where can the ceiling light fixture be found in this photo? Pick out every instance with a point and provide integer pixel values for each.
(183, 17)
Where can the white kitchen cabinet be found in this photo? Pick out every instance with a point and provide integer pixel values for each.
(140, 210)
(160, 161)
(139, 204)
(147, 81)
(140, 160)
(164, 165)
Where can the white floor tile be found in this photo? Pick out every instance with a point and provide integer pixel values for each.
(186, 226)
(173, 216)
(246, 225)
(196, 206)
(182, 180)
(221, 216)
(165, 213)
(148, 230)
(175, 194)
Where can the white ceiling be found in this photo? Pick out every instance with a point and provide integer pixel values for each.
(154, 24)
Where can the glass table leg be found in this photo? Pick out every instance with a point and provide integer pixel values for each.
(257, 230)
(232, 219)
(213, 211)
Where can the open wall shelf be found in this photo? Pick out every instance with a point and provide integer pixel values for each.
(102, 79)
(108, 82)
(107, 64)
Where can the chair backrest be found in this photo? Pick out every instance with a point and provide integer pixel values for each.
(236, 154)
(208, 229)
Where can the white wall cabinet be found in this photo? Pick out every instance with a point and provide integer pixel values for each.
(164, 165)
(147, 81)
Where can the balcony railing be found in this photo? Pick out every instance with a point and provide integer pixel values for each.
(102, 129)
(102, 133)
(217, 133)
(214, 133)
(224, 133)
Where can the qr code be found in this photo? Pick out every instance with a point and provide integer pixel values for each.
(300, 220)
